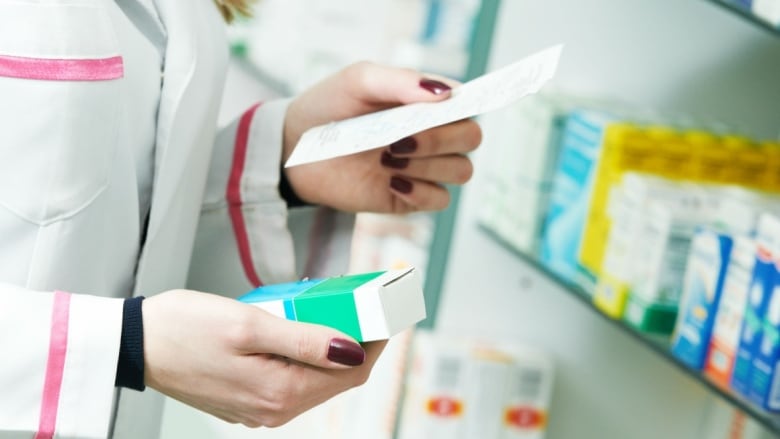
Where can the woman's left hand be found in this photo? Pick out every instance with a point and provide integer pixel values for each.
(404, 177)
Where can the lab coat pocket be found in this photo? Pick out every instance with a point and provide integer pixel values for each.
(60, 73)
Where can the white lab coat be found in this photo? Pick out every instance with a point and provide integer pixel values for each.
(69, 209)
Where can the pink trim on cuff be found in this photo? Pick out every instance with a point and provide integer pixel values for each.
(58, 346)
(233, 196)
(101, 69)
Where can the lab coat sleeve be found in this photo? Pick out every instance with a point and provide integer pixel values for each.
(246, 234)
(59, 357)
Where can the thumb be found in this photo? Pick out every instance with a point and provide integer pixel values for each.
(384, 85)
(316, 345)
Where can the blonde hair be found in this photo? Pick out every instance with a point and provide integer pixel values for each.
(230, 8)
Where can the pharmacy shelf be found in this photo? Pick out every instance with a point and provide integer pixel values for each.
(747, 15)
(659, 346)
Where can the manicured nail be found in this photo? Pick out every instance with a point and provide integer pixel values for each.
(394, 162)
(407, 145)
(346, 352)
(434, 86)
(402, 185)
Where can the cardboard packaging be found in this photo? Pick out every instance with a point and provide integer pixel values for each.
(705, 276)
(719, 365)
(581, 144)
(369, 306)
(627, 209)
(762, 284)
(462, 389)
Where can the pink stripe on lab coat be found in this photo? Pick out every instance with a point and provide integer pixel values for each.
(100, 69)
(58, 345)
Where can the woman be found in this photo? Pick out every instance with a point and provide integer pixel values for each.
(116, 184)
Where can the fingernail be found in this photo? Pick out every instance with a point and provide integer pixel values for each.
(406, 145)
(434, 86)
(394, 162)
(402, 185)
(346, 352)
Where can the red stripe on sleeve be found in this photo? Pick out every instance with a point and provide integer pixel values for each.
(233, 196)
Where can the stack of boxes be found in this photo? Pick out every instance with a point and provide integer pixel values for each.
(462, 388)
(659, 223)
(581, 144)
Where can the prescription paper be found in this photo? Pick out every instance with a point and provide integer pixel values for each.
(486, 93)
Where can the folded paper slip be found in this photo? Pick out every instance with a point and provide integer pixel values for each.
(369, 306)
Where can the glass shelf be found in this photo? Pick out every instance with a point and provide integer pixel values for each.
(747, 15)
(659, 346)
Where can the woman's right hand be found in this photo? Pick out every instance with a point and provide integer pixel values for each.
(242, 364)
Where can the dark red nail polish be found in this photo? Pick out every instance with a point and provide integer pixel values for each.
(402, 185)
(434, 86)
(346, 352)
(407, 145)
(394, 162)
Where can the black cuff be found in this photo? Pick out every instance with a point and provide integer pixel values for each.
(287, 193)
(130, 366)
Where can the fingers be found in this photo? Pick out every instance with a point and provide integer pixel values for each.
(413, 195)
(450, 169)
(459, 137)
(314, 386)
(380, 84)
(302, 342)
(420, 164)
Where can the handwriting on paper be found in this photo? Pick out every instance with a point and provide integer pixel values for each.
(486, 93)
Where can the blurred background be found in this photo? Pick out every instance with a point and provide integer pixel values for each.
(610, 271)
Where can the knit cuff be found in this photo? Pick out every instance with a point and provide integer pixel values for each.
(130, 366)
(287, 192)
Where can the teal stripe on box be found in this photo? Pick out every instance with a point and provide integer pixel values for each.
(289, 310)
(279, 291)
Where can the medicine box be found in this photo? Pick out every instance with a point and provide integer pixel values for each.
(705, 274)
(581, 142)
(750, 331)
(627, 210)
(730, 311)
(626, 147)
(664, 240)
(761, 287)
(367, 306)
(460, 388)
(765, 378)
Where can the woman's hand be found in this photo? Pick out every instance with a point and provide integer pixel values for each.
(242, 364)
(406, 176)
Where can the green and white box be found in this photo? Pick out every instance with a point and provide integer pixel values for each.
(368, 306)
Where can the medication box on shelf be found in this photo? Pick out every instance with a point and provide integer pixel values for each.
(663, 244)
(370, 306)
(581, 142)
(765, 375)
(719, 365)
(694, 156)
(627, 210)
(765, 378)
(706, 270)
(626, 148)
(721, 254)
(520, 168)
(762, 285)
(461, 388)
